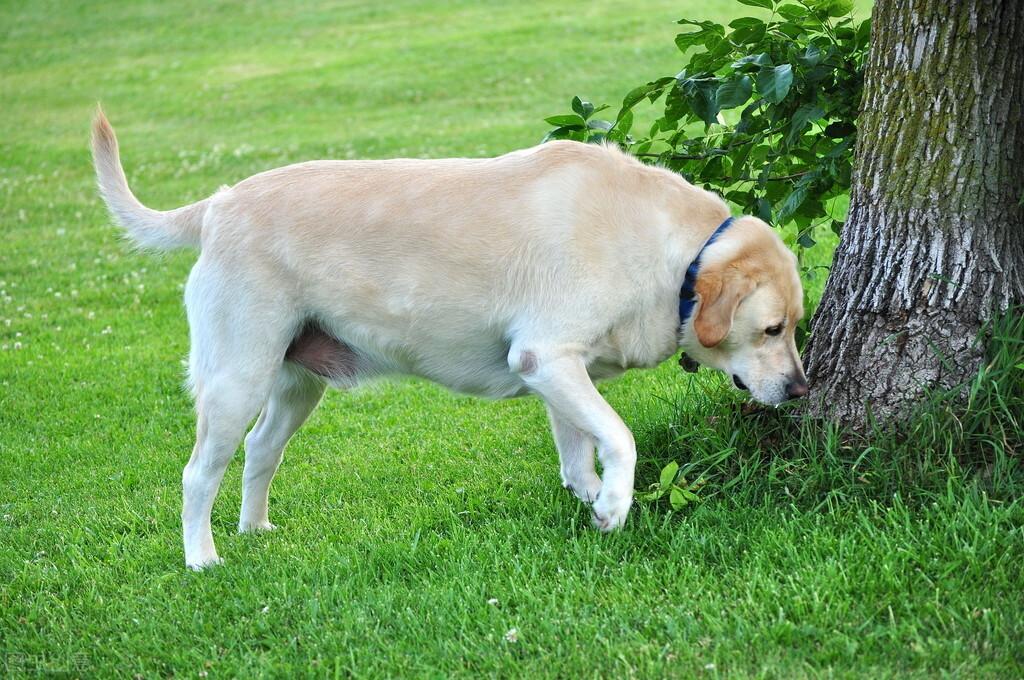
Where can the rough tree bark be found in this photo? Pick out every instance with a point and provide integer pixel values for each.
(933, 245)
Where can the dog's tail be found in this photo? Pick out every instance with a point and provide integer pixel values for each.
(149, 228)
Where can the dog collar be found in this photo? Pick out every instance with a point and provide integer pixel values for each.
(687, 294)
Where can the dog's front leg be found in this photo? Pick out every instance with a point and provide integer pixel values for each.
(576, 456)
(562, 381)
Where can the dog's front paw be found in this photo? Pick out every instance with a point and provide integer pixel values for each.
(610, 511)
(587, 490)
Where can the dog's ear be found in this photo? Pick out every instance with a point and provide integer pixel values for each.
(720, 291)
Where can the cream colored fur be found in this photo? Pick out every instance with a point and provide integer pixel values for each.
(534, 272)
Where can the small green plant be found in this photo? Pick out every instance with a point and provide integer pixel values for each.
(764, 110)
(680, 491)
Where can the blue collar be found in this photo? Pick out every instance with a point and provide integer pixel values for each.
(687, 295)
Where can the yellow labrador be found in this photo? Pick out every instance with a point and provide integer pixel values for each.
(535, 272)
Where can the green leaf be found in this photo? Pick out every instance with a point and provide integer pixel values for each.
(842, 149)
(833, 8)
(794, 31)
(677, 105)
(806, 240)
(746, 35)
(864, 33)
(812, 56)
(701, 96)
(739, 156)
(706, 25)
(792, 12)
(690, 496)
(574, 132)
(793, 202)
(802, 118)
(733, 93)
(745, 21)
(625, 123)
(668, 474)
(750, 122)
(632, 97)
(752, 62)
(584, 109)
(659, 86)
(567, 120)
(795, 199)
(685, 41)
(739, 197)
(705, 104)
(764, 210)
(774, 84)
(653, 88)
(714, 169)
(766, 4)
(598, 124)
(676, 498)
(709, 34)
(708, 62)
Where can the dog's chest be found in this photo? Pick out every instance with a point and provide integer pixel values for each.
(640, 340)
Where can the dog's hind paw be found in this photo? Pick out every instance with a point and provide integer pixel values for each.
(201, 565)
(255, 527)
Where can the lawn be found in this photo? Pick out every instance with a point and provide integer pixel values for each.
(424, 533)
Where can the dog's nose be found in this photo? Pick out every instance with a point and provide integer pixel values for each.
(796, 389)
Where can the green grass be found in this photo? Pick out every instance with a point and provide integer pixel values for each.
(405, 510)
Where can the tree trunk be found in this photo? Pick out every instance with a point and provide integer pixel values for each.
(934, 242)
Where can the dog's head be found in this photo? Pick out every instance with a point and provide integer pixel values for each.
(749, 300)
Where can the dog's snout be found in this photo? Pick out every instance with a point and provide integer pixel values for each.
(796, 388)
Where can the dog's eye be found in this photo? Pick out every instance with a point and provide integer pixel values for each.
(773, 330)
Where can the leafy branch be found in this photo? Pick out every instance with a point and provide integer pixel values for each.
(763, 111)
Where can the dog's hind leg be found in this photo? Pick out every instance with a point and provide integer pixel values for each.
(226, 403)
(295, 394)
(239, 337)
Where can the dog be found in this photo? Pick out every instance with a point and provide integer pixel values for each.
(536, 272)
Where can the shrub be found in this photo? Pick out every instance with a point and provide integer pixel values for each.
(764, 111)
